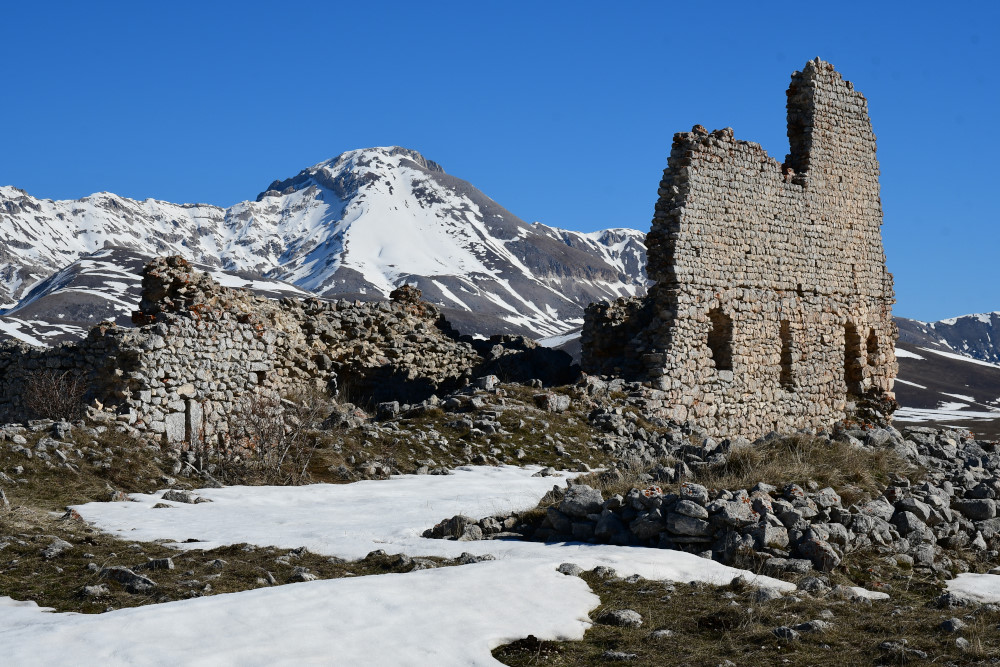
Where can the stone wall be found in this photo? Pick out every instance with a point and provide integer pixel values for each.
(772, 305)
(200, 348)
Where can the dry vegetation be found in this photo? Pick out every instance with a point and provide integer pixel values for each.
(854, 472)
(710, 625)
(434, 438)
(269, 439)
(39, 493)
(53, 394)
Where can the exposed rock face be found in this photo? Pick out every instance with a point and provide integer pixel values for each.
(772, 303)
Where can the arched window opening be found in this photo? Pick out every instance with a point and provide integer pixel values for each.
(720, 339)
(872, 346)
(853, 360)
(786, 378)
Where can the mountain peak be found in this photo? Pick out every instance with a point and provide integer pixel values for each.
(356, 226)
(11, 192)
(325, 172)
(362, 155)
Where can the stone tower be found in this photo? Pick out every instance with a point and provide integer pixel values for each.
(772, 305)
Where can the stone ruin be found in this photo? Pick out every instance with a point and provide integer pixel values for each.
(772, 305)
(771, 308)
(198, 349)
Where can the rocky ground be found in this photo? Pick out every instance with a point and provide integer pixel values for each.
(895, 512)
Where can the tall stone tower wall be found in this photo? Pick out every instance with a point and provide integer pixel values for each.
(772, 304)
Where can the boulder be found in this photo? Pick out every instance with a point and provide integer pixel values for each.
(680, 524)
(581, 500)
(822, 554)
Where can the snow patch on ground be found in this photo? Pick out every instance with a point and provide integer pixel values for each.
(12, 327)
(982, 587)
(351, 520)
(941, 415)
(556, 341)
(230, 280)
(448, 616)
(867, 594)
(912, 384)
(906, 354)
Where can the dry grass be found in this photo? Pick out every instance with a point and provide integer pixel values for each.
(713, 624)
(25, 574)
(802, 458)
(115, 461)
(854, 472)
(525, 427)
(40, 493)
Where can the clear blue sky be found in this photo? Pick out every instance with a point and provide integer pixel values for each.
(561, 111)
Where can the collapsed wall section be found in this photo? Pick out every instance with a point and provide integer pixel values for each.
(201, 348)
(771, 307)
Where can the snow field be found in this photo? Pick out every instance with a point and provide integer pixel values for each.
(447, 616)
(351, 520)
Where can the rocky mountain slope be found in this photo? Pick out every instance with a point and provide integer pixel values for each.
(973, 336)
(358, 225)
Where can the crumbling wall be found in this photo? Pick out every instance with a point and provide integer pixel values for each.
(772, 303)
(100, 360)
(200, 348)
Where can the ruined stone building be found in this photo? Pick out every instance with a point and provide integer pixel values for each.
(199, 351)
(772, 305)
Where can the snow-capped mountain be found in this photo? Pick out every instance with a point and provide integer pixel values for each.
(357, 225)
(976, 336)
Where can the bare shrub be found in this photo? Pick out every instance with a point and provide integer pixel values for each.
(270, 439)
(53, 394)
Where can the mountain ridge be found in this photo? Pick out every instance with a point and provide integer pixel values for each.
(359, 224)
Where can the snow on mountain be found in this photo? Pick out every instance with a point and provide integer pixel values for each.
(941, 387)
(976, 336)
(359, 225)
(99, 286)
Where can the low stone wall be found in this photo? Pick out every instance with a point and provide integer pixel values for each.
(951, 512)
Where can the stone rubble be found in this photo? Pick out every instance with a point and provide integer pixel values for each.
(923, 525)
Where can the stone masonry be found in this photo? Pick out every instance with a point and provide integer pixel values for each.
(200, 348)
(772, 305)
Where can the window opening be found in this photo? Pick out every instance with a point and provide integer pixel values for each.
(853, 359)
(872, 346)
(720, 339)
(786, 379)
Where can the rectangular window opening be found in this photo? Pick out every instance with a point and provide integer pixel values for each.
(787, 379)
